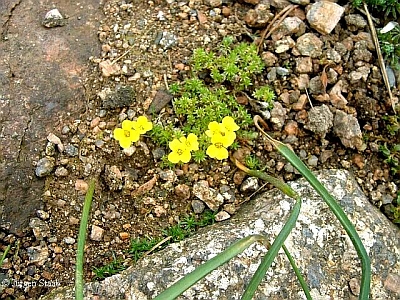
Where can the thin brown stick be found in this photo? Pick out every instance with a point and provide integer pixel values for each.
(268, 31)
(380, 57)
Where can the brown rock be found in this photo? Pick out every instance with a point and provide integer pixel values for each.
(291, 128)
(107, 68)
(243, 100)
(124, 235)
(359, 161)
(254, 2)
(238, 177)
(145, 187)
(160, 100)
(323, 16)
(182, 191)
(304, 65)
(301, 103)
(241, 154)
(303, 81)
(269, 58)
(96, 233)
(201, 17)
(95, 122)
(226, 11)
(81, 186)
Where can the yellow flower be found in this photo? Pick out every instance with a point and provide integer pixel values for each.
(224, 131)
(191, 142)
(213, 128)
(126, 135)
(142, 125)
(229, 124)
(217, 151)
(179, 152)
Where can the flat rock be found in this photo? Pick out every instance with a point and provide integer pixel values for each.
(320, 120)
(208, 195)
(323, 16)
(318, 243)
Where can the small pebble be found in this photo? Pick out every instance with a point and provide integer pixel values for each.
(198, 206)
(69, 240)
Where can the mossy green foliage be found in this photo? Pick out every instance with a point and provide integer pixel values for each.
(388, 7)
(390, 46)
(252, 162)
(114, 267)
(209, 95)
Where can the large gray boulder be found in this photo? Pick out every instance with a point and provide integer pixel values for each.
(319, 244)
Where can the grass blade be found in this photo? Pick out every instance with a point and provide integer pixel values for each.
(340, 215)
(272, 252)
(3, 257)
(298, 274)
(333, 205)
(81, 242)
(201, 271)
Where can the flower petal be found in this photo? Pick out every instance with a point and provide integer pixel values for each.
(211, 151)
(185, 156)
(174, 157)
(127, 124)
(135, 136)
(118, 134)
(192, 140)
(175, 145)
(125, 143)
(213, 127)
(222, 153)
(229, 124)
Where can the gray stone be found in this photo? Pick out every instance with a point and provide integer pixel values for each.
(208, 195)
(161, 99)
(282, 71)
(71, 150)
(316, 86)
(249, 185)
(312, 161)
(198, 206)
(278, 115)
(45, 166)
(158, 153)
(113, 177)
(318, 243)
(38, 254)
(391, 76)
(122, 97)
(168, 175)
(355, 22)
(320, 120)
(346, 127)
(323, 16)
(309, 45)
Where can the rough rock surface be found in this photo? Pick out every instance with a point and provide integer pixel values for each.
(323, 16)
(346, 127)
(318, 243)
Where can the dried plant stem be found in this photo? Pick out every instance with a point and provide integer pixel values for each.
(379, 54)
(268, 31)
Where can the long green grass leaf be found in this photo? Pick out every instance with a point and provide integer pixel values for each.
(81, 242)
(297, 272)
(333, 205)
(272, 252)
(339, 213)
(201, 271)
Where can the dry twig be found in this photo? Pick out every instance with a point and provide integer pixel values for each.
(268, 31)
(379, 54)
